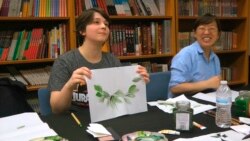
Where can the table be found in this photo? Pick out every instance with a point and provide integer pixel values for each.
(152, 120)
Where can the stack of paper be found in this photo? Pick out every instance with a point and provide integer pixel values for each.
(169, 104)
(24, 127)
(97, 130)
(211, 97)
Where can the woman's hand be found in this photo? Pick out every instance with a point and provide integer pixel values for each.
(143, 72)
(214, 82)
(78, 76)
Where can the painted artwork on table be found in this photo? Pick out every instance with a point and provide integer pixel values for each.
(115, 92)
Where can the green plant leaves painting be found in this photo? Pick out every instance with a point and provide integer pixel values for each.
(115, 91)
(119, 96)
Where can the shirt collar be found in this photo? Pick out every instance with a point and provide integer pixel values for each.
(201, 51)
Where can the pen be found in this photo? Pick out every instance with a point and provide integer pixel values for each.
(246, 137)
(76, 119)
(199, 125)
(167, 131)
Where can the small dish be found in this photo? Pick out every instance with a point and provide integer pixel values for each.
(144, 136)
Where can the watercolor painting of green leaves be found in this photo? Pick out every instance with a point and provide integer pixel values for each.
(118, 96)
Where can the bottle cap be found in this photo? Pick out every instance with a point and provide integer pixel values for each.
(223, 82)
(183, 104)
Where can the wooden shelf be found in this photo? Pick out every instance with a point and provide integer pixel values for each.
(34, 19)
(231, 19)
(237, 82)
(145, 56)
(136, 18)
(34, 88)
(26, 61)
(230, 51)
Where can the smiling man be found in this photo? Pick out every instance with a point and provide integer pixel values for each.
(196, 67)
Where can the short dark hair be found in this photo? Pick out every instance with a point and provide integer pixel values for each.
(85, 18)
(207, 19)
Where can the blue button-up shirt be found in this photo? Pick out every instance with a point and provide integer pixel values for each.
(190, 65)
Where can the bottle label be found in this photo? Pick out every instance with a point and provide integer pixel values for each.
(182, 121)
(223, 101)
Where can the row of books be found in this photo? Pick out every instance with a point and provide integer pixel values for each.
(227, 73)
(31, 77)
(185, 39)
(227, 40)
(33, 8)
(150, 66)
(33, 44)
(222, 8)
(124, 7)
(140, 39)
(38, 76)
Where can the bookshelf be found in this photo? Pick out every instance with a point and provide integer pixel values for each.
(53, 17)
(170, 21)
(157, 46)
(234, 19)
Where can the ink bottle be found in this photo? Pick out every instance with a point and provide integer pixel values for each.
(242, 104)
(183, 116)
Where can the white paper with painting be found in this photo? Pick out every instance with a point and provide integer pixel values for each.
(115, 92)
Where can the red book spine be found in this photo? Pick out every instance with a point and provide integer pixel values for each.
(5, 54)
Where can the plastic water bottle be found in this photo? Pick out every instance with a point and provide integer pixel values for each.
(223, 104)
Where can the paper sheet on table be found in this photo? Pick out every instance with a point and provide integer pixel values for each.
(169, 104)
(229, 135)
(97, 130)
(244, 120)
(211, 97)
(244, 129)
(115, 92)
(23, 127)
